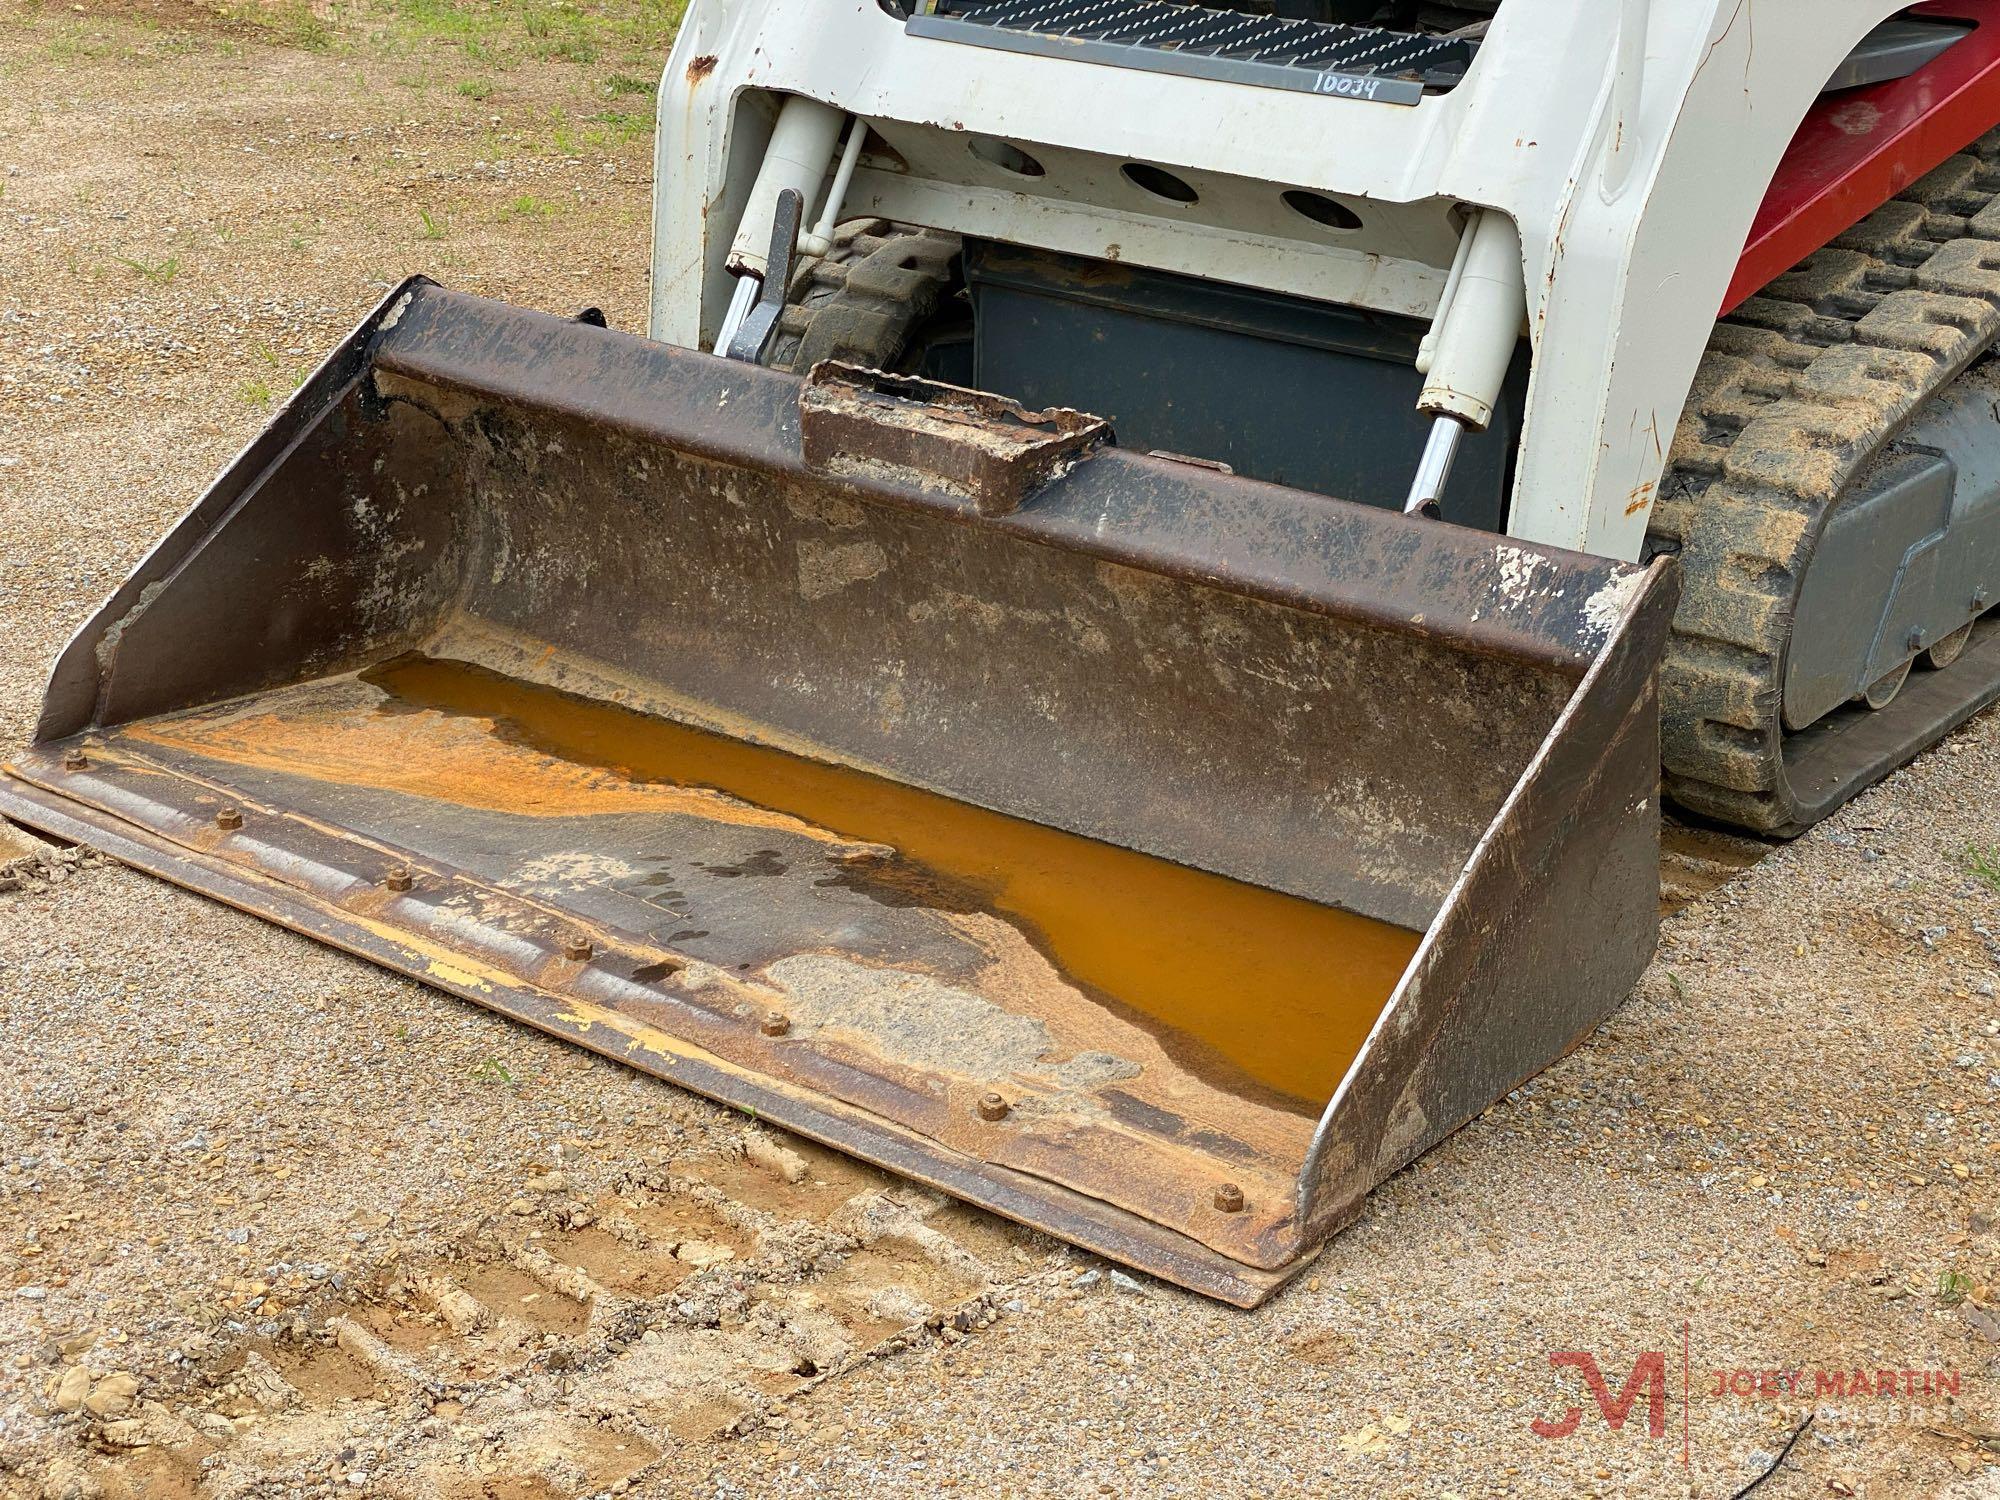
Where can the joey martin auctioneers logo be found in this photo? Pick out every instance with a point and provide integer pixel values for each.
(1851, 1392)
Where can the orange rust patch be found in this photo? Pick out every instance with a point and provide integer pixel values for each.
(1215, 987)
(701, 67)
(1285, 989)
(447, 757)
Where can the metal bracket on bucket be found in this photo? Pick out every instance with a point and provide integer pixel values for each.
(992, 451)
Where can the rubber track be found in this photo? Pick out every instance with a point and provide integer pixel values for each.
(860, 302)
(1801, 388)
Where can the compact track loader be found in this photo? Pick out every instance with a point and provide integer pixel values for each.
(1113, 648)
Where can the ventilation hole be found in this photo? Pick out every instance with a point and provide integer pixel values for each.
(1158, 181)
(1321, 209)
(1005, 155)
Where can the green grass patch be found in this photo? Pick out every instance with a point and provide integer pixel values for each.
(634, 33)
(289, 23)
(602, 131)
(442, 20)
(476, 88)
(528, 206)
(1983, 862)
(626, 39)
(159, 271)
(434, 228)
(286, 376)
(73, 44)
(622, 125)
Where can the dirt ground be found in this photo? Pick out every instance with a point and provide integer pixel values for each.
(275, 1222)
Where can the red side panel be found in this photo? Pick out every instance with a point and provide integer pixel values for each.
(1857, 149)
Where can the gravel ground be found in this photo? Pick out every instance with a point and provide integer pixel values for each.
(272, 1221)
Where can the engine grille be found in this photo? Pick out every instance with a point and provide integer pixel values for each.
(1342, 62)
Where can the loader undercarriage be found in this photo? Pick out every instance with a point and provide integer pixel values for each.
(863, 300)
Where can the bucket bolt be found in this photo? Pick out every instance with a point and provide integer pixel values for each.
(398, 878)
(229, 819)
(1229, 1198)
(993, 1107)
(775, 1023)
(76, 760)
(576, 947)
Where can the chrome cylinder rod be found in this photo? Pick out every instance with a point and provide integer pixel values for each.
(748, 285)
(1434, 468)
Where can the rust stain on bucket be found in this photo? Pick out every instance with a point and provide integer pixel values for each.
(1280, 988)
(1286, 989)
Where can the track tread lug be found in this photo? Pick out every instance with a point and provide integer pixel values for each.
(1860, 334)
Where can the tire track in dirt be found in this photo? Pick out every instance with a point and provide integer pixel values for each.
(1697, 859)
(571, 1344)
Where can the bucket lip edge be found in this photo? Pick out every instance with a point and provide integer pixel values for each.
(1066, 1213)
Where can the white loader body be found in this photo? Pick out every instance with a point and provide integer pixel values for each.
(1631, 143)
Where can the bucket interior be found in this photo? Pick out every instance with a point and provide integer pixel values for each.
(1066, 859)
(740, 855)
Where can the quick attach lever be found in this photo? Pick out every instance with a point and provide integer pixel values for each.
(753, 335)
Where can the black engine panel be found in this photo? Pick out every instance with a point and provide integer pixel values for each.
(1318, 397)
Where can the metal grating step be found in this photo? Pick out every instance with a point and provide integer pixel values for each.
(1342, 62)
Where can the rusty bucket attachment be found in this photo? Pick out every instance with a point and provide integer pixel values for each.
(1152, 856)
